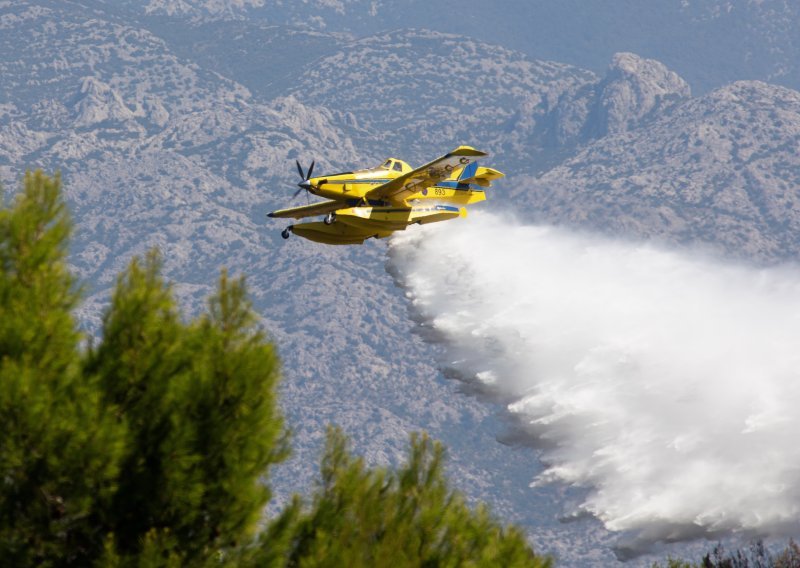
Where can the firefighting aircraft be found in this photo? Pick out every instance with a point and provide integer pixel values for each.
(378, 201)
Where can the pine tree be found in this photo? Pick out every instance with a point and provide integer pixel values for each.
(60, 445)
(363, 517)
(154, 444)
(199, 401)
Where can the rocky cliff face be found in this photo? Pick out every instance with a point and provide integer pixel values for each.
(633, 91)
(719, 171)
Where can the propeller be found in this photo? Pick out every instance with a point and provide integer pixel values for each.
(305, 176)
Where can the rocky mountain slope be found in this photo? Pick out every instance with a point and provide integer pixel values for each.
(709, 42)
(181, 133)
(399, 85)
(719, 171)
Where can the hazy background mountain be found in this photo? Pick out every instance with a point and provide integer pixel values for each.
(709, 42)
(176, 123)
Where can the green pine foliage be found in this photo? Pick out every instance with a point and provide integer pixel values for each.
(152, 447)
(60, 448)
(362, 517)
(199, 399)
(147, 449)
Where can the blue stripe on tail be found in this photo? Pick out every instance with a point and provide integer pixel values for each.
(468, 171)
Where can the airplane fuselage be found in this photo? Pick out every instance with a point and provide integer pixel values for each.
(355, 185)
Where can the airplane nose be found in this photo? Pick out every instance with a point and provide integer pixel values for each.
(305, 184)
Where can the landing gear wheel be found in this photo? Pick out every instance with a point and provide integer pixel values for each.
(286, 232)
(330, 218)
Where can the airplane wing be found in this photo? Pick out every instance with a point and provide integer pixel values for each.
(408, 184)
(319, 208)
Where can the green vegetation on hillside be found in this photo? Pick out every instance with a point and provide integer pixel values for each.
(756, 556)
(153, 446)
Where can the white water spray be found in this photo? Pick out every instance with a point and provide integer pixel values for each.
(667, 385)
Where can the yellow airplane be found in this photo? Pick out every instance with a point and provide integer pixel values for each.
(378, 201)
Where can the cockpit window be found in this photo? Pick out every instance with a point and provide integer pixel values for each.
(398, 167)
(386, 165)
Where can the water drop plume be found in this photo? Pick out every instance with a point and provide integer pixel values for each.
(668, 384)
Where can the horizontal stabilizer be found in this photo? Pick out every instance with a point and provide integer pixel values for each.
(481, 176)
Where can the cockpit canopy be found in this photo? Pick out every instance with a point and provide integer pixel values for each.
(396, 165)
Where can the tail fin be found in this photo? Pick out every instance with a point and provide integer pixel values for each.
(468, 171)
(480, 176)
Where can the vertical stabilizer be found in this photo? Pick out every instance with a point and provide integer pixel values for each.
(468, 171)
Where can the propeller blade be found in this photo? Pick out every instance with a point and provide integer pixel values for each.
(305, 184)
